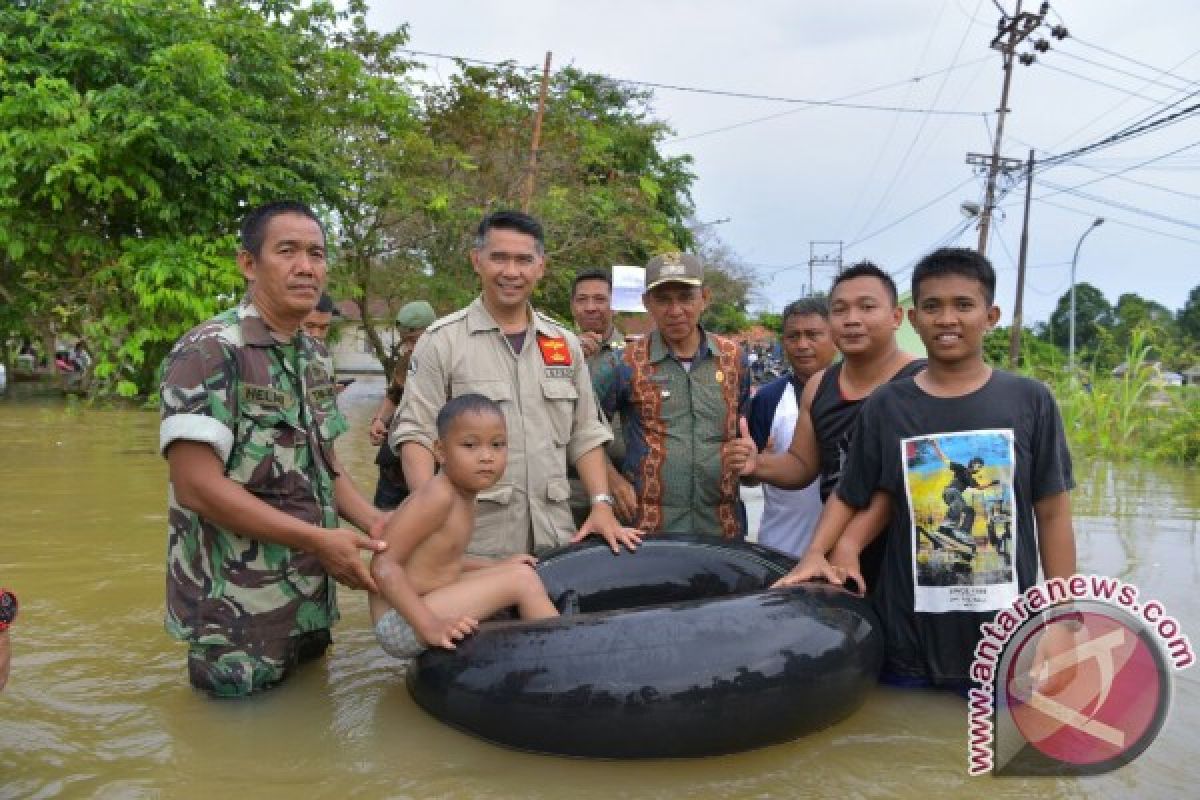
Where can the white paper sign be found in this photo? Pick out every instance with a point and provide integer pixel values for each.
(628, 285)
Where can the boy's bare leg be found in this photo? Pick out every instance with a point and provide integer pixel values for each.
(482, 592)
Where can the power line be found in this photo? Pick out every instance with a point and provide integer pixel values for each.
(1133, 120)
(863, 93)
(1122, 223)
(945, 240)
(718, 92)
(1172, 87)
(1105, 50)
(910, 214)
(1123, 135)
(1121, 177)
(1098, 82)
(1122, 206)
(883, 197)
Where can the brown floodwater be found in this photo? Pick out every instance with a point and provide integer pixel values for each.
(98, 705)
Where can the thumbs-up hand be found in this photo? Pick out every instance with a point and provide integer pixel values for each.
(741, 454)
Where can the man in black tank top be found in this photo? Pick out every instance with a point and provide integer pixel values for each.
(864, 313)
(833, 416)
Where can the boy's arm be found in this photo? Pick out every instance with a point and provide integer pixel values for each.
(1056, 541)
(834, 519)
(863, 529)
(1056, 536)
(423, 513)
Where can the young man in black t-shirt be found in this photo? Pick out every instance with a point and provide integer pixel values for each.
(935, 590)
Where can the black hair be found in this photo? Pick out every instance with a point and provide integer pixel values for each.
(867, 269)
(254, 224)
(591, 275)
(975, 460)
(325, 304)
(804, 307)
(956, 261)
(465, 404)
(507, 220)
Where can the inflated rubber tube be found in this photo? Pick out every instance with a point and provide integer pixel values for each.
(675, 650)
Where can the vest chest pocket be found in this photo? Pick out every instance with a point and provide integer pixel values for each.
(561, 397)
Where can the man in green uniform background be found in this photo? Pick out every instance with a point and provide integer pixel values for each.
(680, 391)
(248, 423)
(602, 342)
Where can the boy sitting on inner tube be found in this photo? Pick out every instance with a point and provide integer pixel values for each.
(431, 594)
(961, 541)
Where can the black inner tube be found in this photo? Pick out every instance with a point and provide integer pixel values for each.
(587, 577)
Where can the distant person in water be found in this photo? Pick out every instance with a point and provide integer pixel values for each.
(431, 593)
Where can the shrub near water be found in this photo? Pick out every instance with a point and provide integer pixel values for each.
(1131, 416)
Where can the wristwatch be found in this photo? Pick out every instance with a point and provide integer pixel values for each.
(603, 498)
(8, 609)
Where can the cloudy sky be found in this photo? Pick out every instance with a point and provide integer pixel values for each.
(776, 176)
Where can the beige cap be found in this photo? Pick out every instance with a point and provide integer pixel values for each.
(674, 268)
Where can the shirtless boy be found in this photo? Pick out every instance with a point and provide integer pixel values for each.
(431, 594)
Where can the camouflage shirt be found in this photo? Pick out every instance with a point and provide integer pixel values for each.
(268, 409)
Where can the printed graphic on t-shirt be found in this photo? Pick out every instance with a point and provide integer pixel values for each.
(960, 499)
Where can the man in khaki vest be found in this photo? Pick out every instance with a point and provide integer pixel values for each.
(535, 369)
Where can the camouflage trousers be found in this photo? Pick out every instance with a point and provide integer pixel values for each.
(239, 670)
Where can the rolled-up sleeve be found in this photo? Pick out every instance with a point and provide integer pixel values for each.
(196, 401)
(426, 390)
(589, 430)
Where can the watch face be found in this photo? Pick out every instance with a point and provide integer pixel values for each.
(8, 607)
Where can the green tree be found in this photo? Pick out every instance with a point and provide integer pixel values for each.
(604, 192)
(133, 133)
(1038, 355)
(1092, 313)
(1188, 318)
(728, 280)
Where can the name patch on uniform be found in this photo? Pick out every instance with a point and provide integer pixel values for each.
(555, 352)
(560, 372)
(267, 396)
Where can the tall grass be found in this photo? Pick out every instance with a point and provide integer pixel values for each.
(1132, 416)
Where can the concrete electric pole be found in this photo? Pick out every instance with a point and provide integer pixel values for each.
(1011, 32)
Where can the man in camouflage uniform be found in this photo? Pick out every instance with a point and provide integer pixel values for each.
(680, 391)
(248, 423)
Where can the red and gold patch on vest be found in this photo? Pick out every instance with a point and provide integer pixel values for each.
(555, 352)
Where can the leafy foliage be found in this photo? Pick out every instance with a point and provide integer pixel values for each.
(132, 135)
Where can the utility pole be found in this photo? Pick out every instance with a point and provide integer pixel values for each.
(823, 254)
(527, 194)
(1017, 28)
(1014, 336)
